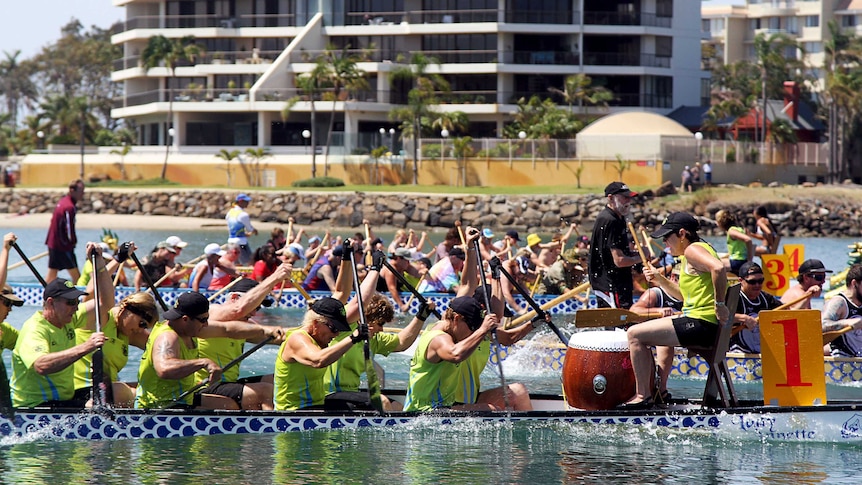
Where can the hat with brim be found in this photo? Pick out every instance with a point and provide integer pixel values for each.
(402, 253)
(333, 310)
(165, 245)
(675, 222)
(188, 304)
(619, 188)
(247, 284)
(813, 266)
(10, 296)
(469, 309)
(62, 288)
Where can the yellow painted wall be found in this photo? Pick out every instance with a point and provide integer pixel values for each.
(189, 170)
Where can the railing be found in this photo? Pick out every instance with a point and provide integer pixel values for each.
(468, 97)
(500, 149)
(452, 16)
(541, 57)
(215, 57)
(216, 95)
(208, 21)
(564, 17)
(616, 18)
(463, 56)
(624, 59)
(363, 55)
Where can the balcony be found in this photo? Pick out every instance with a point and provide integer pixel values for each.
(452, 16)
(566, 17)
(622, 59)
(208, 21)
(542, 58)
(216, 57)
(219, 95)
(614, 18)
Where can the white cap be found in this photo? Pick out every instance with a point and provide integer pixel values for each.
(176, 242)
(106, 250)
(214, 248)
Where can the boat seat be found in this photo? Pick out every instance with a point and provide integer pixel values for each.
(717, 392)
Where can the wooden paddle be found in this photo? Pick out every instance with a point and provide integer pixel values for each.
(374, 394)
(640, 248)
(167, 275)
(300, 289)
(317, 254)
(611, 317)
(461, 234)
(225, 288)
(290, 221)
(486, 292)
(368, 247)
(22, 263)
(783, 306)
(181, 398)
(834, 334)
(649, 243)
(535, 306)
(548, 305)
(413, 296)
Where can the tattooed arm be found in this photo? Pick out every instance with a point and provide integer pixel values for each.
(169, 365)
(834, 316)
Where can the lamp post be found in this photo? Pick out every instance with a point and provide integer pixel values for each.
(392, 140)
(306, 134)
(382, 132)
(444, 134)
(698, 137)
(40, 144)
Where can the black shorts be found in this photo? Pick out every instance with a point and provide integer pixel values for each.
(348, 401)
(232, 390)
(694, 332)
(196, 403)
(78, 401)
(61, 259)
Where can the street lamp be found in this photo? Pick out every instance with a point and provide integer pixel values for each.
(698, 136)
(445, 134)
(392, 139)
(306, 134)
(41, 142)
(382, 132)
(522, 135)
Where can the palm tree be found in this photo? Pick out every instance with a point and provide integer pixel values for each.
(256, 155)
(453, 121)
(420, 98)
(169, 53)
(16, 85)
(343, 75)
(122, 152)
(311, 84)
(377, 154)
(462, 148)
(843, 69)
(772, 59)
(227, 156)
(578, 89)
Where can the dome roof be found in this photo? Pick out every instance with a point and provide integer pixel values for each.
(636, 123)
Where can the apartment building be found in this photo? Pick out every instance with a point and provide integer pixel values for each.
(492, 52)
(731, 30)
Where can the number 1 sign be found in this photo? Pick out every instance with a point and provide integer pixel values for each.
(791, 343)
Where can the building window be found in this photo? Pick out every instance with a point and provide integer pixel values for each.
(664, 46)
(813, 47)
(812, 21)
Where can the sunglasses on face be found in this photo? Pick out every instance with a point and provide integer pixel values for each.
(818, 276)
(755, 281)
(70, 302)
(6, 302)
(203, 320)
(331, 326)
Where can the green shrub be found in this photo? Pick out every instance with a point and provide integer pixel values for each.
(360, 151)
(319, 182)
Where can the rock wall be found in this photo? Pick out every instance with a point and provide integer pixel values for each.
(804, 217)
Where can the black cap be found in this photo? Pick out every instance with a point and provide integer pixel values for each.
(749, 268)
(337, 252)
(615, 188)
(333, 310)
(479, 296)
(458, 253)
(188, 304)
(813, 266)
(513, 234)
(470, 309)
(10, 296)
(245, 285)
(61, 288)
(675, 222)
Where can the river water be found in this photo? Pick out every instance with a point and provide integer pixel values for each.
(422, 453)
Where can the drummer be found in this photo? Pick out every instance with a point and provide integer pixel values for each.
(657, 300)
(702, 286)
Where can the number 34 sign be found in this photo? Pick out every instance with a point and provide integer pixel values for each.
(780, 269)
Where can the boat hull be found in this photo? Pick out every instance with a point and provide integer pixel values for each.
(833, 423)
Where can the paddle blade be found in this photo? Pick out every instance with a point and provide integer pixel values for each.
(373, 385)
(608, 317)
(6, 408)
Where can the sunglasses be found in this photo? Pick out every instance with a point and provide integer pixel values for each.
(817, 276)
(755, 281)
(331, 326)
(71, 302)
(203, 320)
(6, 302)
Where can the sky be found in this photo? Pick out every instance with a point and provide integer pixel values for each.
(29, 25)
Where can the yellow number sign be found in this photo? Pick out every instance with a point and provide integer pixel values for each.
(796, 253)
(776, 270)
(791, 343)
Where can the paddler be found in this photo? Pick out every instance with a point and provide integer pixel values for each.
(843, 312)
(812, 274)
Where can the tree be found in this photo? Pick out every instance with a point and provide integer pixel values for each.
(578, 89)
(311, 85)
(773, 56)
(122, 152)
(255, 175)
(377, 154)
(227, 156)
(169, 53)
(462, 148)
(420, 98)
(343, 74)
(622, 166)
(843, 69)
(15, 84)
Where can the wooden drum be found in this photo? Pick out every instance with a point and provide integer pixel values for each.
(597, 371)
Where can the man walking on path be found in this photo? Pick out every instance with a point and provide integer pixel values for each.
(239, 228)
(61, 238)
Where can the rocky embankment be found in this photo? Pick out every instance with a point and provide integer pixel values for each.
(804, 216)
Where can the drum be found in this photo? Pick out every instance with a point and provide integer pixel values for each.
(597, 370)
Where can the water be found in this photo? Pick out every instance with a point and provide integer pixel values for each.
(470, 453)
